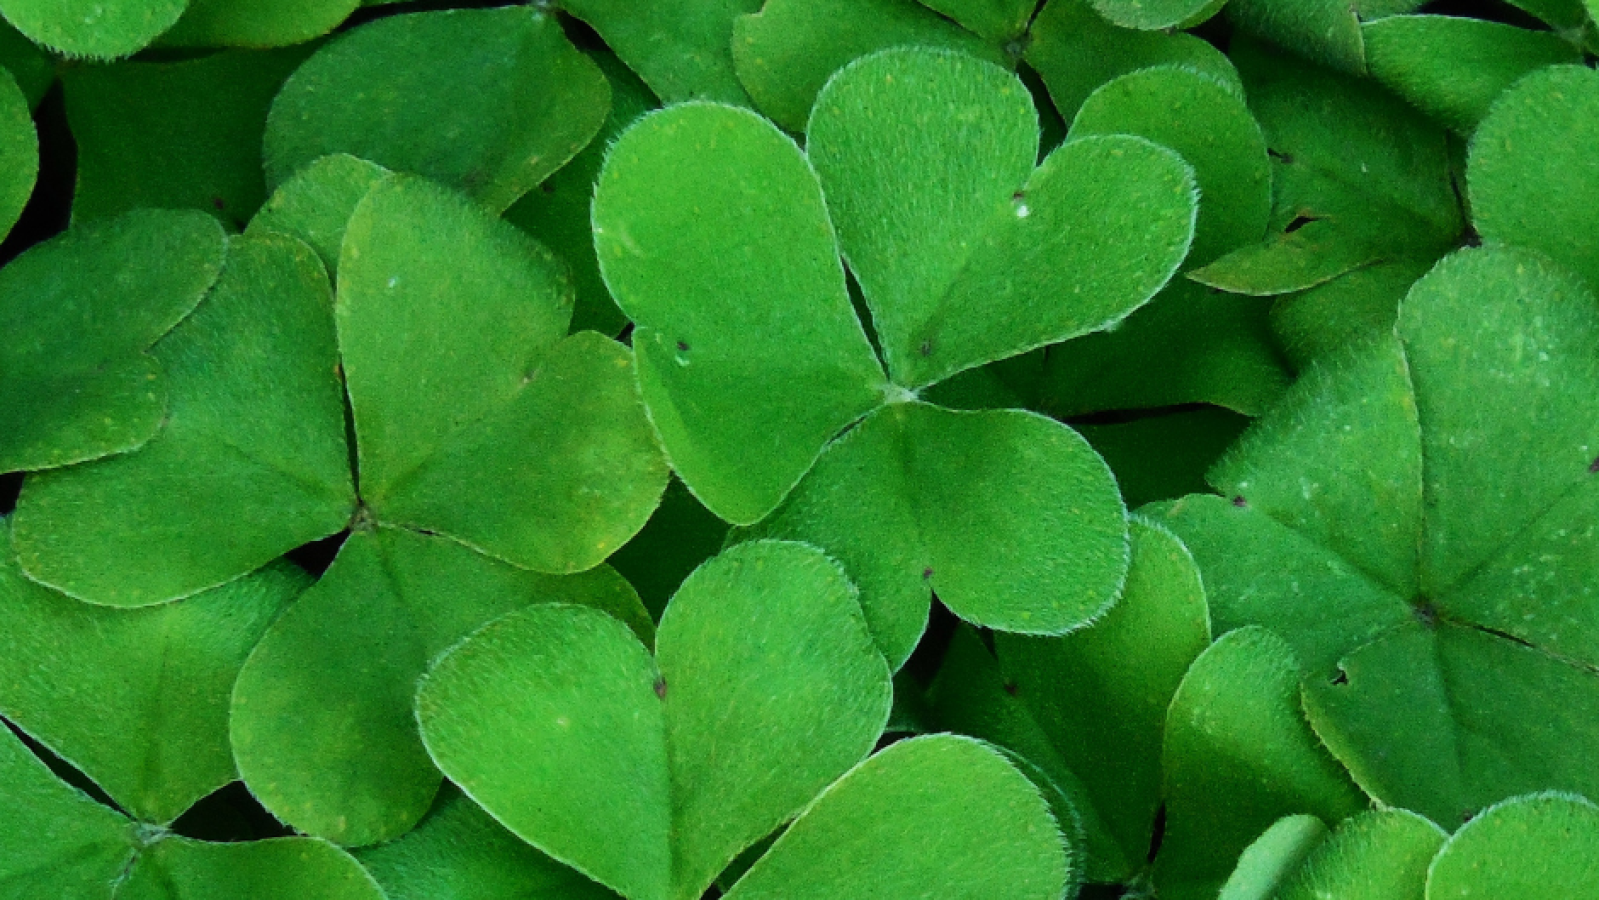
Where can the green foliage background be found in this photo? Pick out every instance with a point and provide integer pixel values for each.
(799, 449)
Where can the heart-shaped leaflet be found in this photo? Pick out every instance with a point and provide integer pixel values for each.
(967, 253)
(650, 775)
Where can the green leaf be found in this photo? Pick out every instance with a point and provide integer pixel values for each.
(1358, 177)
(34, 69)
(315, 204)
(1324, 31)
(1530, 181)
(881, 825)
(650, 776)
(1450, 583)
(970, 696)
(1541, 847)
(178, 868)
(1008, 516)
(1450, 719)
(448, 399)
(460, 852)
(557, 214)
(174, 135)
(1378, 855)
(1205, 120)
(786, 52)
(255, 23)
(54, 841)
(98, 29)
(1238, 756)
(19, 152)
(321, 723)
(981, 256)
(250, 464)
(1351, 309)
(78, 380)
(1153, 15)
(488, 101)
(1452, 67)
(1101, 693)
(996, 20)
(711, 234)
(1267, 862)
(137, 697)
(682, 49)
(1075, 51)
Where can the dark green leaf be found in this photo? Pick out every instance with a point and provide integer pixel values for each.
(681, 48)
(19, 152)
(79, 313)
(98, 29)
(488, 101)
(54, 841)
(177, 135)
(250, 464)
(177, 868)
(255, 23)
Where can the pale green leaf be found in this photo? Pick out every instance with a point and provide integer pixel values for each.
(1101, 693)
(178, 868)
(19, 152)
(681, 48)
(1377, 855)
(1272, 857)
(1075, 51)
(255, 23)
(996, 20)
(98, 29)
(1453, 67)
(461, 853)
(54, 841)
(786, 53)
(1152, 15)
(315, 204)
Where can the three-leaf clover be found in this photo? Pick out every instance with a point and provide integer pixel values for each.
(1416, 520)
(764, 695)
(714, 236)
(487, 444)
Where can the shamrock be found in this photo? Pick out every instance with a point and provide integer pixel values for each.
(1416, 520)
(489, 448)
(714, 236)
(57, 842)
(764, 695)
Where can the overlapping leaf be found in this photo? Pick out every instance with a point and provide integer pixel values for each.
(488, 101)
(1440, 602)
(19, 152)
(321, 722)
(255, 23)
(1541, 847)
(75, 371)
(1238, 756)
(138, 697)
(649, 775)
(681, 48)
(56, 842)
(787, 52)
(1531, 183)
(99, 29)
(183, 134)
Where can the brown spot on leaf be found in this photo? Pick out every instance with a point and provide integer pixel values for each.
(660, 687)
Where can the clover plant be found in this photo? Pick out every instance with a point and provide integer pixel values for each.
(974, 449)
